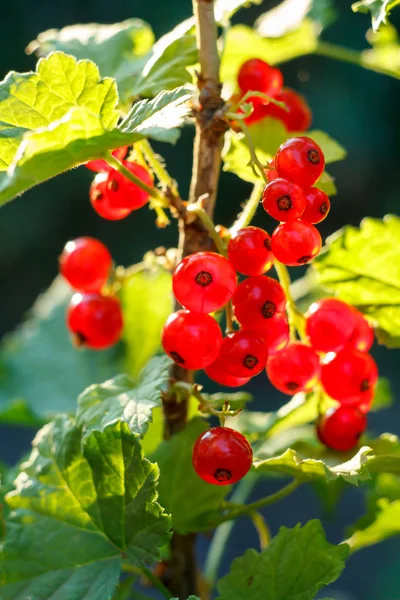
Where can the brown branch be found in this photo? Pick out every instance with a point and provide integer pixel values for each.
(210, 127)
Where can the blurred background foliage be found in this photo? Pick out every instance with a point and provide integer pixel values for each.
(359, 108)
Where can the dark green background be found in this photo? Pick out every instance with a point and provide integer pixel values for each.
(358, 108)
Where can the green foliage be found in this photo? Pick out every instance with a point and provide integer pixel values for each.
(385, 51)
(235, 400)
(294, 566)
(379, 10)
(89, 504)
(362, 266)
(225, 9)
(289, 16)
(120, 399)
(183, 494)
(383, 397)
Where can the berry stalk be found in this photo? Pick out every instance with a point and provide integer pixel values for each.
(296, 318)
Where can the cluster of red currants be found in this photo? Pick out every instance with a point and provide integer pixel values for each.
(94, 318)
(291, 199)
(255, 75)
(114, 196)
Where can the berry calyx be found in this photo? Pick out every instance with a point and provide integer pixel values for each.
(95, 321)
(257, 75)
(192, 340)
(349, 376)
(204, 282)
(124, 194)
(295, 243)
(220, 375)
(283, 200)
(257, 300)
(294, 369)
(101, 198)
(297, 116)
(363, 334)
(300, 160)
(222, 456)
(249, 251)
(341, 428)
(317, 205)
(85, 263)
(243, 353)
(101, 165)
(329, 325)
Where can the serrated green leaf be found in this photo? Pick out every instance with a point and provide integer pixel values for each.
(121, 398)
(362, 267)
(182, 492)
(119, 50)
(89, 504)
(379, 10)
(147, 301)
(295, 565)
(385, 525)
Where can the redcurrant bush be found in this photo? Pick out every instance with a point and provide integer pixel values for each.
(222, 456)
(300, 160)
(102, 165)
(349, 376)
(295, 243)
(317, 205)
(257, 300)
(294, 369)
(220, 375)
(341, 428)
(330, 324)
(101, 198)
(95, 321)
(192, 340)
(86, 264)
(243, 353)
(297, 116)
(204, 282)
(249, 251)
(255, 75)
(283, 200)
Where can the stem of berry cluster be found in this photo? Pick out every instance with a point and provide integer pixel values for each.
(153, 192)
(250, 208)
(296, 318)
(194, 237)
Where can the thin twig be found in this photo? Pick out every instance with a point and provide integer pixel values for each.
(246, 216)
(296, 318)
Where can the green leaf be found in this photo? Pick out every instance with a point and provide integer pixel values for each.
(383, 397)
(362, 267)
(121, 399)
(119, 50)
(225, 9)
(236, 400)
(88, 504)
(146, 302)
(188, 498)
(289, 16)
(294, 566)
(379, 10)
(385, 525)
(167, 66)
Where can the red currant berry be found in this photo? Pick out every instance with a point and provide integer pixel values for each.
(349, 376)
(294, 369)
(329, 325)
(217, 373)
(192, 340)
(295, 243)
(297, 116)
(101, 200)
(341, 428)
(283, 200)
(95, 321)
(275, 334)
(124, 194)
(258, 76)
(101, 165)
(300, 160)
(257, 300)
(222, 456)
(271, 174)
(365, 405)
(243, 353)
(85, 263)
(249, 251)
(204, 282)
(363, 334)
(317, 205)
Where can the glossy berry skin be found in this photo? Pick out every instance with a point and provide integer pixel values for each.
(341, 428)
(295, 243)
(217, 373)
(363, 334)
(283, 200)
(249, 251)
(192, 340)
(294, 369)
(349, 376)
(300, 160)
(101, 165)
(243, 353)
(257, 75)
(85, 263)
(317, 205)
(275, 333)
(101, 198)
(257, 300)
(298, 115)
(204, 282)
(222, 456)
(124, 194)
(330, 325)
(95, 321)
